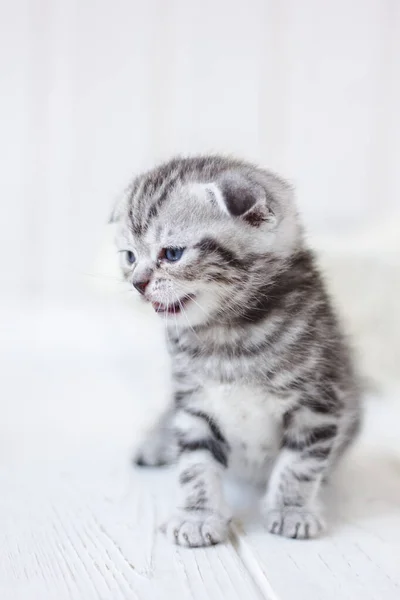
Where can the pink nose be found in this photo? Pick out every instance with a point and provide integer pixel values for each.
(141, 286)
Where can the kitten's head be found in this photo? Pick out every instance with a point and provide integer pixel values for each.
(199, 236)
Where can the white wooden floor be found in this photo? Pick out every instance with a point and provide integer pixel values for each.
(78, 522)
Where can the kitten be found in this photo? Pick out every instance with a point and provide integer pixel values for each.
(262, 376)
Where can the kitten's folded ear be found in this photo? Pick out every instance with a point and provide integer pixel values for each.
(120, 205)
(254, 198)
(117, 210)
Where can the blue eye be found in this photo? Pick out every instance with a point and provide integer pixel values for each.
(173, 254)
(130, 257)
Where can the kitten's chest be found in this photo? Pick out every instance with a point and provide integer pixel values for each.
(250, 421)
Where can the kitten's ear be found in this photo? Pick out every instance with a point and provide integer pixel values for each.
(118, 209)
(120, 205)
(245, 198)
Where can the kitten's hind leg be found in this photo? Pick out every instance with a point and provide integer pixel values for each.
(291, 505)
(159, 446)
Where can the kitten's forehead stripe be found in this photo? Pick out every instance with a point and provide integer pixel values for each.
(158, 199)
(134, 205)
(133, 189)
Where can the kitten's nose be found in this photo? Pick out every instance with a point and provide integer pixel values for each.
(141, 286)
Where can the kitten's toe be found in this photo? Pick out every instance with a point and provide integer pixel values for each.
(141, 460)
(294, 522)
(195, 529)
(153, 454)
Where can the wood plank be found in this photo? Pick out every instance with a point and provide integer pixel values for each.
(359, 557)
(92, 532)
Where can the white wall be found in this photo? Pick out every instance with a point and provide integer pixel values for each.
(94, 90)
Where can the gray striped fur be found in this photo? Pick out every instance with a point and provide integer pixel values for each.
(264, 383)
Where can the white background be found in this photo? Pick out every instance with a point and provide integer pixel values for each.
(92, 91)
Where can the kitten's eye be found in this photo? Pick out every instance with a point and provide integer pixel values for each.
(172, 254)
(130, 257)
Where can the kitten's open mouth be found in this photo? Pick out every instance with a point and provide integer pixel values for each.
(172, 308)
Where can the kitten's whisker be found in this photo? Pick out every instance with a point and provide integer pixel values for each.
(193, 300)
(186, 317)
(176, 326)
(166, 328)
(201, 308)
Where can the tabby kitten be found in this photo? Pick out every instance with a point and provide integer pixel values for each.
(263, 381)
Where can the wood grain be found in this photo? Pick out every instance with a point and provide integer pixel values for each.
(77, 522)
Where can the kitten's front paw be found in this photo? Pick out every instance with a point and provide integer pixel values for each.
(196, 528)
(294, 522)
